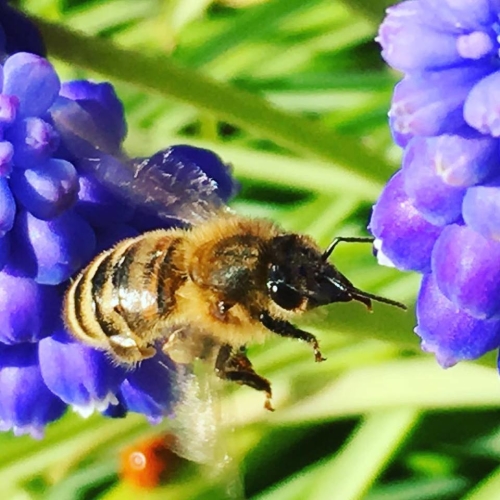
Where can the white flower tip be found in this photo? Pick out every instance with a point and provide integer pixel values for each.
(155, 420)
(445, 360)
(94, 405)
(382, 259)
(35, 431)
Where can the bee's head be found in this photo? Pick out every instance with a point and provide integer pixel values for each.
(300, 277)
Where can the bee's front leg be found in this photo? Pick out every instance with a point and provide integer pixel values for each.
(234, 365)
(286, 329)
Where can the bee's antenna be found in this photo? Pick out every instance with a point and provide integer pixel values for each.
(331, 247)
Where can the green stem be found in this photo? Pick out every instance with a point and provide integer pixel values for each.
(158, 73)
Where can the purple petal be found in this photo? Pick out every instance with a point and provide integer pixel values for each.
(481, 209)
(52, 251)
(148, 389)
(34, 141)
(466, 266)
(47, 191)
(28, 311)
(404, 237)
(4, 250)
(401, 139)
(475, 45)
(482, 106)
(33, 80)
(83, 133)
(409, 43)
(449, 332)
(102, 93)
(461, 15)
(463, 160)
(7, 207)
(118, 410)
(98, 206)
(438, 202)
(26, 405)
(81, 376)
(432, 103)
(9, 106)
(6, 158)
(101, 101)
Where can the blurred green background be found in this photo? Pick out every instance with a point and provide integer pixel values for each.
(294, 94)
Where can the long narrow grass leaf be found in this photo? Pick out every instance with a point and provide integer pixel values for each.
(159, 74)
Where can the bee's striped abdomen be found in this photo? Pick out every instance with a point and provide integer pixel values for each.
(145, 280)
(124, 292)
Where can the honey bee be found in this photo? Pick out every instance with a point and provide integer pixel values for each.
(219, 282)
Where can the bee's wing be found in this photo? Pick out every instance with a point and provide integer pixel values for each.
(197, 419)
(163, 184)
(169, 184)
(198, 423)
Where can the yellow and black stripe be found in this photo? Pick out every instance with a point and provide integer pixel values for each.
(124, 292)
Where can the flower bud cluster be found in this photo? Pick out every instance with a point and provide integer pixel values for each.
(440, 214)
(54, 218)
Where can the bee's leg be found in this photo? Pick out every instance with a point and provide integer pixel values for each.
(286, 329)
(128, 351)
(235, 366)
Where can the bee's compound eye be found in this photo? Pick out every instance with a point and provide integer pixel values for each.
(284, 295)
(280, 290)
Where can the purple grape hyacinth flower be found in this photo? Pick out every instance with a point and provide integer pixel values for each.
(54, 218)
(445, 114)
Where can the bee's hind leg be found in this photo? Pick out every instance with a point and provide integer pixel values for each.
(127, 351)
(234, 365)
